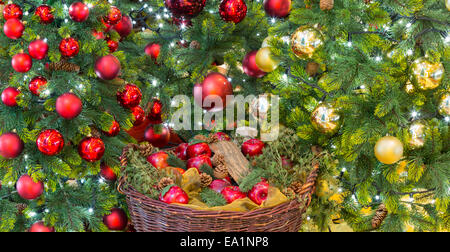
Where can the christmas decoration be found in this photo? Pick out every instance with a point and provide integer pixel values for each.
(98, 34)
(114, 16)
(117, 220)
(233, 10)
(379, 217)
(215, 86)
(114, 130)
(159, 160)
(181, 151)
(112, 45)
(389, 150)
(326, 4)
(13, 28)
(253, 147)
(305, 41)
(259, 192)
(69, 47)
(250, 67)
(107, 67)
(312, 68)
(130, 96)
(12, 11)
(50, 142)
(444, 105)
(11, 146)
(232, 193)
(155, 114)
(265, 61)
(198, 149)
(9, 96)
(79, 12)
(44, 12)
(427, 75)
(220, 136)
(164, 182)
(325, 119)
(219, 184)
(277, 8)
(69, 106)
(22, 62)
(174, 194)
(417, 135)
(107, 172)
(185, 8)
(91, 149)
(157, 135)
(36, 84)
(124, 27)
(38, 49)
(28, 189)
(138, 114)
(199, 161)
(40, 227)
(205, 180)
(229, 160)
(447, 4)
(153, 50)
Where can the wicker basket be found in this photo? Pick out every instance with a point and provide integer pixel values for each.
(150, 215)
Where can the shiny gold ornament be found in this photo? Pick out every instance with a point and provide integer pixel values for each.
(265, 60)
(427, 75)
(389, 150)
(417, 135)
(409, 88)
(444, 105)
(305, 41)
(325, 119)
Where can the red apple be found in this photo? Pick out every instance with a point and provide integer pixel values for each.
(232, 193)
(174, 195)
(253, 147)
(181, 151)
(222, 136)
(158, 160)
(259, 192)
(197, 162)
(219, 184)
(199, 149)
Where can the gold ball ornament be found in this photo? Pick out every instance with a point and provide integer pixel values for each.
(427, 75)
(305, 41)
(417, 135)
(444, 105)
(265, 60)
(326, 119)
(389, 150)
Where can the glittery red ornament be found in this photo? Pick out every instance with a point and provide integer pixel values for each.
(114, 16)
(12, 11)
(155, 114)
(13, 28)
(153, 50)
(69, 47)
(112, 45)
(130, 96)
(185, 8)
(98, 34)
(28, 189)
(36, 84)
(68, 106)
(215, 86)
(91, 149)
(124, 27)
(50, 142)
(44, 12)
(107, 173)
(139, 115)
(9, 96)
(40, 227)
(157, 135)
(79, 12)
(277, 8)
(107, 67)
(250, 67)
(22, 62)
(233, 10)
(38, 49)
(181, 22)
(11, 146)
(117, 220)
(114, 130)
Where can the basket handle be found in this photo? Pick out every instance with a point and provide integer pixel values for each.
(309, 188)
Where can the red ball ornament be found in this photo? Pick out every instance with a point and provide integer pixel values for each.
(181, 22)
(38, 49)
(185, 8)
(155, 115)
(9, 96)
(250, 67)
(157, 135)
(69, 47)
(36, 84)
(116, 221)
(124, 27)
(91, 149)
(107, 173)
(107, 67)
(112, 45)
(40, 227)
(28, 189)
(79, 12)
(12, 11)
(138, 114)
(114, 130)
(233, 10)
(153, 50)
(130, 96)
(11, 146)
(114, 16)
(22, 62)
(213, 92)
(98, 34)
(50, 142)
(277, 8)
(13, 28)
(44, 12)
(68, 106)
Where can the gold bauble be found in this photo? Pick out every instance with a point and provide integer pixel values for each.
(305, 41)
(325, 119)
(265, 60)
(417, 134)
(444, 105)
(427, 75)
(409, 87)
(389, 150)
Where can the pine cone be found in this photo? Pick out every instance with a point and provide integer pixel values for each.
(205, 180)
(326, 4)
(296, 187)
(146, 149)
(195, 45)
(20, 208)
(221, 171)
(165, 182)
(312, 68)
(212, 138)
(379, 217)
(218, 159)
(63, 65)
(201, 138)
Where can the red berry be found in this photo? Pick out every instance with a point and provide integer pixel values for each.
(22, 62)
(9, 96)
(107, 172)
(158, 160)
(10, 145)
(36, 85)
(259, 192)
(199, 149)
(39, 227)
(13, 28)
(79, 12)
(38, 49)
(68, 106)
(253, 147)
(175, 195)
(50, 142)
(117, 220)
(232, 193)
(28, 189)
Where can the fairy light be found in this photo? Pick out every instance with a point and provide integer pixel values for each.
(90, 210)
(409, 52)
(447, 119)
(414, 114)
(378, 58)
(349, 44)
(155, 83)
(344, 169)
(377, 197)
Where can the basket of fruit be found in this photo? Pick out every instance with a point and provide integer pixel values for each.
(212, 185)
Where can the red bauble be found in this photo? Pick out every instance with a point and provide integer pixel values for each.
(259, 192)
(9, 96)
(38, 49)
(91, 149)
(253, 147)
(22, 62)
(219, 184)
(44, 12)
(69, 47)
(181, 151)
(158, 160)
(36, 84)
(107, 173)
(250, 67)
(277, 8)
(139, 115)
(112, 45)
(13, 28)
(199, 149)
(79, 12)
(213, 92)
(98, 34)
(10, 145)
(68, 106)
(233, 10)
(130, 96)
(50, 142)
(28, 189)
(107, 67)
(124, 27)
(185, 8)
(181, 22)
(155, 114)
(114, 130)
(232, 193)
(114, 16)
(153, 50)
(157, 135)
(117, 220)
(198, 162)
(40, 227)
(174, 195)
(12, 11)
